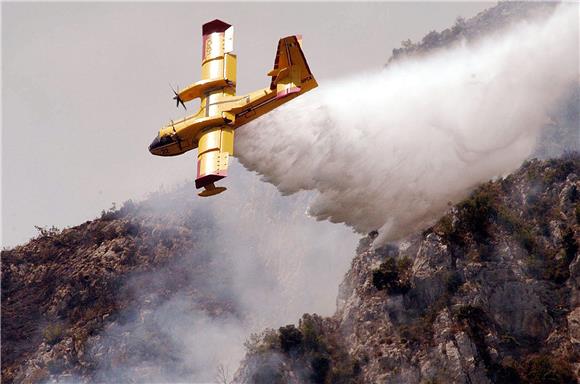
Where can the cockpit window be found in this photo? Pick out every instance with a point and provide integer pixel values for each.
(161, 141)
(165, 140)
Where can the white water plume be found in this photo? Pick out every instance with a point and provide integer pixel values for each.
(389, 150)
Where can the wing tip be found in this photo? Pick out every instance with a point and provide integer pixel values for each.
(213, 26)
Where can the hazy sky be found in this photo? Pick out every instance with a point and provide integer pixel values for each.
(85, 87)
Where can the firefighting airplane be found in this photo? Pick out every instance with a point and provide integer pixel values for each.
(221, 112)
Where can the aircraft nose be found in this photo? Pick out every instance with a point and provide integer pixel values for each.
(156, 143)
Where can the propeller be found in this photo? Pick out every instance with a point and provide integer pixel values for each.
(177, 98)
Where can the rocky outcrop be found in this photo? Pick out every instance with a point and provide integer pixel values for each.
(489, 294)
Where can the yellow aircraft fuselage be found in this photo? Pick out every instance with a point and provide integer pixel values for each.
(211, 129)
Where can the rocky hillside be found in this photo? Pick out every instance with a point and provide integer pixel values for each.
(64, 289)
(489, 294)
(165, 290)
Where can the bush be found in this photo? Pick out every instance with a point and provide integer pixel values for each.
(53, 333)
(476, 212)
(516, 227)
(557, 269)
(570, 245)
(312, 335)
(262, 342)
(320, 368)
(526, 239)
(393, 276)
(545, 369)
(290, 338)
(415, 332)
(444, 226)
(386, 276)
(128, 207)
(506, 372)
(453, 281)
(55, 366)
(39, 375)
(470, 313)
(110, 214)
(561, 171)
(267, 372)
(47, 232)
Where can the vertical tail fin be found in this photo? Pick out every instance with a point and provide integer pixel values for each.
(291, 73)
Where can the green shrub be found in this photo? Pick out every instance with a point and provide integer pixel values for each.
(267, 372)
(570, 245)
(561, 171)
(506, 372)
(453, 281)
(393, 276)
(110, 214)
(526, 239)
(320, 367)
(387, 275)
(539, 206)
(516, 227)
(55, 366)
(290, 338)
(40, 375)
(47, 232)
(262, 342)
(476, 212)
(404, 265)
(53, 333)
(469, 313)
(444, 226)
(312, 337)
(545, 369)
(557, 269)
(414, 332)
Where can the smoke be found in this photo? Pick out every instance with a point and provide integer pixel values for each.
(257, 262)
(388, 150)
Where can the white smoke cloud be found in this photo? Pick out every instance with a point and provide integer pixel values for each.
(389, 150)
(264, 263)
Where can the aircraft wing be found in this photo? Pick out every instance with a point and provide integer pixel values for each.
(213, 160)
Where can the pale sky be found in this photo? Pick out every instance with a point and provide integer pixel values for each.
(85, 87)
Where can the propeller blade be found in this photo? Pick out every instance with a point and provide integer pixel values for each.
(177, 98)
